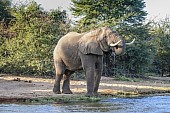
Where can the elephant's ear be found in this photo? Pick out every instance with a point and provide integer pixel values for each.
(89, 45)
(102, 39)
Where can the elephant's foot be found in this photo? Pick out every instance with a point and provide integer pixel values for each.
(95, 94)
(92, 95)
(56, 91)
(89, 95)
(67, 92)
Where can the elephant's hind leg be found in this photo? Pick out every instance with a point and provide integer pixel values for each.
(59, 68)
(56, 88)
(66, 82)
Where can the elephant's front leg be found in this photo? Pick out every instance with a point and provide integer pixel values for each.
(88, 63)
(98, 74)
(90, 80)
(97, 82)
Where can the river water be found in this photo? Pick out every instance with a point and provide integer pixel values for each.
(154, 104)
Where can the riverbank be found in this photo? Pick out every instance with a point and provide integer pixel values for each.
(29, 89)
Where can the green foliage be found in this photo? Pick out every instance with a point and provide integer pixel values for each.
(161, 41)
(113, 13)
(5, 15)
(136, 60)
(139, 56)
(36, 32)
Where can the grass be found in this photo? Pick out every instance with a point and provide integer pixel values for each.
(63, 99)
(124, 78)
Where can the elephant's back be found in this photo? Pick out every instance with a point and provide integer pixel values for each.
(67, 45)
(70, 38)
(67, 51)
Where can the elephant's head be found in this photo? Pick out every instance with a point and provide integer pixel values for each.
(102, 39)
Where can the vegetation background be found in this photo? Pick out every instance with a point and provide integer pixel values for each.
(28, 35)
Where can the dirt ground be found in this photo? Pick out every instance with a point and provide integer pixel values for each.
(12, 87)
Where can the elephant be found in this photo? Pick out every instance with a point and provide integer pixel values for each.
(77, 51)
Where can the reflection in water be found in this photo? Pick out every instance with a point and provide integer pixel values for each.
(156, 104)
(91, 107)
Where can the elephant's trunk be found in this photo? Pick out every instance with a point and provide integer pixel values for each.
(120, 48)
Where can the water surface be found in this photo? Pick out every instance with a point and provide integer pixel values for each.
(155, 104)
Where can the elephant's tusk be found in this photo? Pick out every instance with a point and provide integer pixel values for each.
(131, 42)
(115, 44)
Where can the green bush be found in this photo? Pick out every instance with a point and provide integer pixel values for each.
(35, 34)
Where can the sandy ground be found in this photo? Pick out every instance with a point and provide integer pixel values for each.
(32, 87)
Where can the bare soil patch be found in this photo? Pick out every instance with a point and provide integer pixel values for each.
(15, 88)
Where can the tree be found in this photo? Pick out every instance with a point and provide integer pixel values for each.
(161, 33)
(5, 15)
(30, 50)
(5, 18)
(94, 13)
(126, 17)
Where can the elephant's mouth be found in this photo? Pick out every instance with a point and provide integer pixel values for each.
(118, 46)
(115, 44)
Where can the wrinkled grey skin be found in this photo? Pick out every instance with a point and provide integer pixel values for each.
(76, 51)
